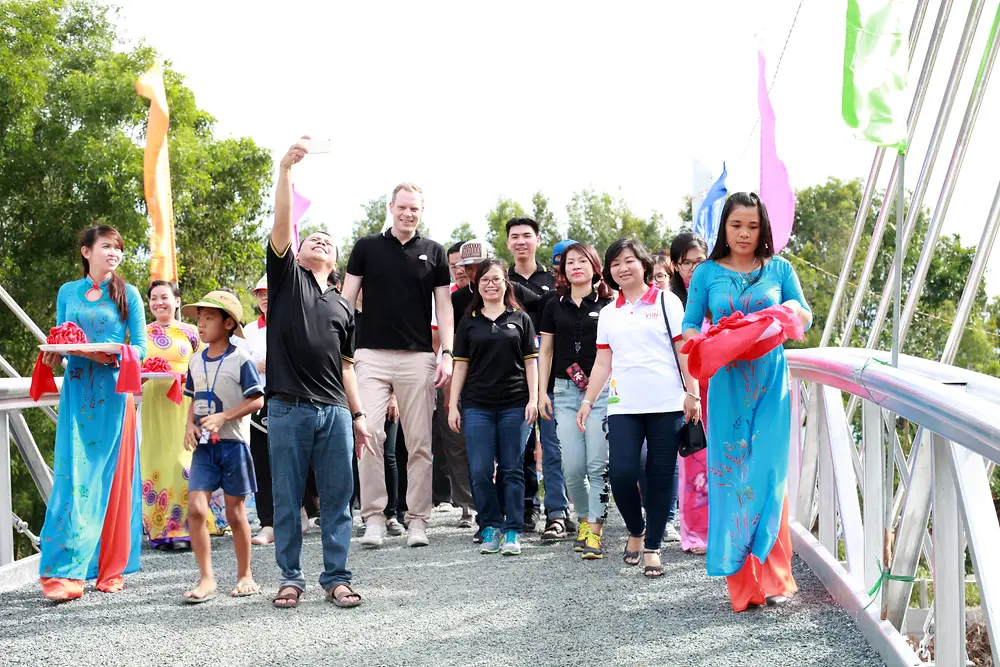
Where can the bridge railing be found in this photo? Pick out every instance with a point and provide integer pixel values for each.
(865, 510)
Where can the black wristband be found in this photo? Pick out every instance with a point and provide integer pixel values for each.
(358, 415)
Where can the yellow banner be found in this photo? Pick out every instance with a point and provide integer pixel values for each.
(156, 176)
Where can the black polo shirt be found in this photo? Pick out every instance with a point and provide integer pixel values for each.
(461, 298)
(309, 333)
(398, 282)
(541, 282)
(569, 324)
(495, 351)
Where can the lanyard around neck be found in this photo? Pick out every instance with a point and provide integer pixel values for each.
(204, 359)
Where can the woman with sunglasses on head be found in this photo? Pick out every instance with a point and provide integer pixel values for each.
(568, 352)
(748, 537)
(687, 251)
(651, 396)
(496, 377)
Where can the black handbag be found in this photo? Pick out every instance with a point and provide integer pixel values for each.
(691, 438)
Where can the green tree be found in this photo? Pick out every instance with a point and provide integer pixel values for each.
(71, 131)
(462, 233)
(600, 219)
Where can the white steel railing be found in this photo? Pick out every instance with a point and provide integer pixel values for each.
(861, 506)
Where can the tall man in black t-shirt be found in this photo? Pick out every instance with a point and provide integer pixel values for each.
(314, 405)
(400, 272)
(523, 240)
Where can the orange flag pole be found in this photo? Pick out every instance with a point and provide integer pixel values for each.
(156, 176)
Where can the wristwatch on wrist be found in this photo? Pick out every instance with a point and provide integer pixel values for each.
(448, 352)
(358, 415)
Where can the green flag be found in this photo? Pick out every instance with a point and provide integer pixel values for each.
(876, 57)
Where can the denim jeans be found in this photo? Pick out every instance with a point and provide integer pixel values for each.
(626, 434)
(497, 436)
(556, 502)
(302, 433)
(674, 493)
(584, 455)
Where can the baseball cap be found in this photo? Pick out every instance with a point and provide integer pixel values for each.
(474, 251)
(261, 285)
(560, 248)
(218, 299)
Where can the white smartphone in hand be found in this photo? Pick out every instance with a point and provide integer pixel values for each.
(316, 145)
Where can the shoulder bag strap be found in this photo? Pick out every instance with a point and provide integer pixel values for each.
(670, 339)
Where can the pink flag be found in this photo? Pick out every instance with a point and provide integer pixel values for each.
(299, 206)
(775, 189)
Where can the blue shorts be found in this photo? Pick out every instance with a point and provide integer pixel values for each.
(226, 464)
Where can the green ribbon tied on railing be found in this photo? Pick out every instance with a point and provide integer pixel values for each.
(859, 375)
(885, 575)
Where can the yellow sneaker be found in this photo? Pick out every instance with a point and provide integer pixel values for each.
(592, 548)
(581, 536)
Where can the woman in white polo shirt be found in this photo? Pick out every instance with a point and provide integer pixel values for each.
(647, 401)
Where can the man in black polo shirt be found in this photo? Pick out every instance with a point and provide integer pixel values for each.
(401, 274)
(523, 241)
(313, 400)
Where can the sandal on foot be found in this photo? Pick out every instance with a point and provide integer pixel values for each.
(191, 598)
(342, 599)
(555, 530)
(632, 558)
(287, 597)
(245, 588)
(652, 571)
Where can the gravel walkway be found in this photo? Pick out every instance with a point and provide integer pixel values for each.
(440, 605)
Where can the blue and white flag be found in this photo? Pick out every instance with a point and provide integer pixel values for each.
(706, 222)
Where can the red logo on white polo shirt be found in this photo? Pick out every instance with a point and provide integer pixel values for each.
(652, 314)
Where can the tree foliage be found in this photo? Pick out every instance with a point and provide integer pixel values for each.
(461, 234)
(602, 218)
(71, 147)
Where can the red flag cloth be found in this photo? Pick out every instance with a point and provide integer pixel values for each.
(42, 380)
(175, 393)
(130, 372)
(156, 365)
(740, 337)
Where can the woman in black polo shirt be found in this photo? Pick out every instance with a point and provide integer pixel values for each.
(496, 376)
(569, 348)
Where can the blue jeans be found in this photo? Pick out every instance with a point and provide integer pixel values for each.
(584, 455)
(556, 502)
(301, 433)
(497, 436)
(626, 434)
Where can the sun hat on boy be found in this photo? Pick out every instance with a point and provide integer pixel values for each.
(221, 300)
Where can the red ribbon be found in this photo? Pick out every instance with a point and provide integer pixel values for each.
(175, 393)
(42, 380)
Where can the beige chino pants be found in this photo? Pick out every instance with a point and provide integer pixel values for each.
(411, 376)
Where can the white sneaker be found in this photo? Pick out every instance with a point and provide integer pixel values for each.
(265, 536)
(417, 535)
(374, 534)
(671, 534)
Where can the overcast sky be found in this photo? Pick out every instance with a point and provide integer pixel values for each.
(474, 101)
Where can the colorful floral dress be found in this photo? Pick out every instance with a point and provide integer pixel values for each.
(93, 522)
(748, 438)
(165, 461)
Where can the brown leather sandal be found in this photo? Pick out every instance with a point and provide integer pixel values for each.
(341, 600)
(287, 597)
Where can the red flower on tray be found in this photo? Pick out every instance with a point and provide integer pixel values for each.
(67, 333)
(156, 365)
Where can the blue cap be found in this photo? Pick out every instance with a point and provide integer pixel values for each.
(560, 248)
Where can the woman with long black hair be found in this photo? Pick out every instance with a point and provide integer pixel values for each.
(748, 537)
(92, 527)
(568, 352)
(496, 378)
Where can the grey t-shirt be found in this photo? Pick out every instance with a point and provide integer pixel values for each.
(221, 383)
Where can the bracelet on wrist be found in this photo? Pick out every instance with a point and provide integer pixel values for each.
(694, 396)
(588, 402)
